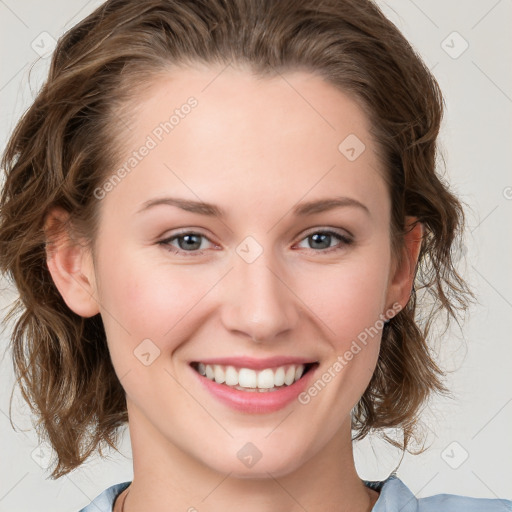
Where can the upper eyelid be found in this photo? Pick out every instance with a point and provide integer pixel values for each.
(337, 231)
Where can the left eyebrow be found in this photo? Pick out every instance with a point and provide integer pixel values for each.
(323, 205)
(301, 210)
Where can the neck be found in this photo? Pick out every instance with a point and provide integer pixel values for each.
(165, 476)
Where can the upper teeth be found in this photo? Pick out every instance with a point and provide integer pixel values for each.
(248, 378)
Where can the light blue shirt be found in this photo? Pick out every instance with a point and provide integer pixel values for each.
(394, 497)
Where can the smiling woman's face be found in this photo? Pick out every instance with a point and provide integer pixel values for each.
(269, 278)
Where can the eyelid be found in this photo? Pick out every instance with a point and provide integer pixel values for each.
(344, 240)
(166, 241)
(338, 231)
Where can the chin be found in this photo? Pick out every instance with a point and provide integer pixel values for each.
(275, 464)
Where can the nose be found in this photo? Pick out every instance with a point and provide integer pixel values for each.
(258, 301)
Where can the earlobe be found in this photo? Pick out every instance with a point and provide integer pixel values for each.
(70, 265)
(402, 279)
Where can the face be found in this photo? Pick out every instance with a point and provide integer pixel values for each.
(272, 283)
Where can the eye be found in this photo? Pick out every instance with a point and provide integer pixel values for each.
(188, 242)
(322, 240)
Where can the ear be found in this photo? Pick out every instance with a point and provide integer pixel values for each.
(402, 278)
(70, 264)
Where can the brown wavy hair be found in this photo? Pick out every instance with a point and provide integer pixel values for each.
(70, 139)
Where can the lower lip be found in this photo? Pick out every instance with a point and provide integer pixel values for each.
(255, 401)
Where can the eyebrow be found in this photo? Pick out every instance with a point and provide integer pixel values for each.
(208, 209)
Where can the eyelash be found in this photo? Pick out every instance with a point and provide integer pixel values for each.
(345, 241)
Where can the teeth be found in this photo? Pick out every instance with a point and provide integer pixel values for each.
(219, 374)
(249, 379)
(266, 379)
(289, 376)
(231, 376)
(279, 377)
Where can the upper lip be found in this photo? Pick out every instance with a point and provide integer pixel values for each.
(256, 364)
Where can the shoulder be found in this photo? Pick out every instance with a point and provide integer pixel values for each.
(450, 502)
(395, 496)
(104, 501)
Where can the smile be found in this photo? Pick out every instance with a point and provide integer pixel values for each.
(248, 379)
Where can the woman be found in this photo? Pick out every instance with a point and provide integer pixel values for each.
(217, 214)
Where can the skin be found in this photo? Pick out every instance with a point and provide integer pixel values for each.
(255, 147)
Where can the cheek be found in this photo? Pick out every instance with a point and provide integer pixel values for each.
(349, 297)
(351, 309)
(142, 299)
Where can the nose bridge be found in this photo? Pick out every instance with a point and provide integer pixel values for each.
(258, 301)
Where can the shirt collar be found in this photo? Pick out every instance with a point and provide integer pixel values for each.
(393, 495)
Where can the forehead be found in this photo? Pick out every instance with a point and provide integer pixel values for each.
(226, 130)
(296, 102)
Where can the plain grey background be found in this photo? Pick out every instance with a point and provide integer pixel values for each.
(468, 45)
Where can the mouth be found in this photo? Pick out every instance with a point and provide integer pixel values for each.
(262, 380)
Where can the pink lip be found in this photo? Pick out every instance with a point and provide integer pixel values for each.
(256, 364)
(256, 402)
